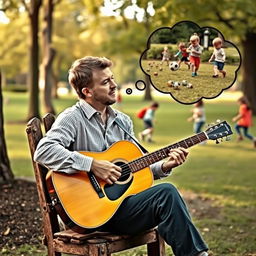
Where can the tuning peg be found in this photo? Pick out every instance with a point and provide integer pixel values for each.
(217, 142)
(228, 138)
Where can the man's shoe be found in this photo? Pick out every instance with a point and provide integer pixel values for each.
(193, 74)
(215, 76)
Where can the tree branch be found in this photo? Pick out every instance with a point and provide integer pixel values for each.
(26, 6)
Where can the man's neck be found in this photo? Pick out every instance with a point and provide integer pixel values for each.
(101, 109)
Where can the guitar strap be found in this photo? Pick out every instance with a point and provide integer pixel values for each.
(120, 124)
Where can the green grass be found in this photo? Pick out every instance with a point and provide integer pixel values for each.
(203, 85)
(223, 173)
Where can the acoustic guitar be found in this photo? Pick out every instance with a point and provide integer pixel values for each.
(88, 202)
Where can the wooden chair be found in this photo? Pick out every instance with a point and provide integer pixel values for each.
(68, 241)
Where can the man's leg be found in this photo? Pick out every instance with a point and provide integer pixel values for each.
(161, 206)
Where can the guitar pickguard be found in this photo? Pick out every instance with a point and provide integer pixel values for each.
(114, 191)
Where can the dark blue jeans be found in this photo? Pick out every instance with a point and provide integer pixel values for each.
(198, 126)
(245, 131)
(161, 206)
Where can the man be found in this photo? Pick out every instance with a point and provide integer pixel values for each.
(90, 126)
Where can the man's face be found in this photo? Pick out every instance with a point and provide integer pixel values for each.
(104, 87)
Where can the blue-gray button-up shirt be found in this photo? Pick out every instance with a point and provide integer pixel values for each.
(80, 128)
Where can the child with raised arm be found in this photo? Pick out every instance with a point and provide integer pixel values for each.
(219, 58)
(195, 50)
(182, 54)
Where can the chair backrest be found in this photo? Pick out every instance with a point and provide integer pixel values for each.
(50, 221)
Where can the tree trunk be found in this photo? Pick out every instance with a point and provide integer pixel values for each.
(49, 54)
(147, 95)
(5, 168)
(249, 74)
(56, 75)
(33, 110)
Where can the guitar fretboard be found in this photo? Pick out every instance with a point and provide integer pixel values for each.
(147, 160)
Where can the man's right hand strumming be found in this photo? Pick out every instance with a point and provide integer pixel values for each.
(106, 170)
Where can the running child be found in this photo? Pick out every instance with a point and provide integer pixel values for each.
(183, 55)
(195, 50)
(219, 57)
(244, 120)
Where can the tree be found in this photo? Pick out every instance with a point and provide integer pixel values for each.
(5, 168)
(33, 8)
(48, 57)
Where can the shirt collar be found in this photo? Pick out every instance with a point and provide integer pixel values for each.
(90, 111)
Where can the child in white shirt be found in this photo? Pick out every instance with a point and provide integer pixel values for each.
(219, 58)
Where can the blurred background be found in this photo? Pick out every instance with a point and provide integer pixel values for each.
(39, 40)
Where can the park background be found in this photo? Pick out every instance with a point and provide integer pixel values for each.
(218, 181)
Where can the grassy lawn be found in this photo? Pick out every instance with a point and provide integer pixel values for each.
(204, 85)
(224, 173)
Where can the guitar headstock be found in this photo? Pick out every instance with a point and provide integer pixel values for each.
(218, 131)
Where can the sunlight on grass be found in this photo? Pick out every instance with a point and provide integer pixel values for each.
(224, 173)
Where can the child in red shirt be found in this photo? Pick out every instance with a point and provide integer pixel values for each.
(244, 120)
(183, 55)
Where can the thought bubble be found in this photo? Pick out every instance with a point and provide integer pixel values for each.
(190, 62)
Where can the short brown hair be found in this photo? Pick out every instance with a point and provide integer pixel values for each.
(80, 74)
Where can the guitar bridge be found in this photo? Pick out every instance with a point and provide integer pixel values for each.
(95, 185)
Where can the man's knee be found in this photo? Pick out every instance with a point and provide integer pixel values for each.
(167, 190)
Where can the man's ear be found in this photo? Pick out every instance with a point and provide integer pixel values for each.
(87, 92)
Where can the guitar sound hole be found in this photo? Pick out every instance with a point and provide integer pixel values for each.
(125, 171)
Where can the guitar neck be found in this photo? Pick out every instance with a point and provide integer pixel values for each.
(147, 160)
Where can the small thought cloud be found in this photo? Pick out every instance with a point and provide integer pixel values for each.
(190, 62)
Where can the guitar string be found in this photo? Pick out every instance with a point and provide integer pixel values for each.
(127, 170)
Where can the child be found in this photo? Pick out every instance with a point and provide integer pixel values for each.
(219, 57)
(166, 55)
(195, 50)
(182, 54)
(148, 122)
(198, 116)
(244, 119)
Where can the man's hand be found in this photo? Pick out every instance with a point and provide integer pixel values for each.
(177, 157)
(106, 171)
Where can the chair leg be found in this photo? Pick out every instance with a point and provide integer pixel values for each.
(98, 250)
(157, 248)
(51, 252)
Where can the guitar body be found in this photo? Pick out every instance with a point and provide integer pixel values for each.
(79, 199)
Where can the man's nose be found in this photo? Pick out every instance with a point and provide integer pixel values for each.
(113, 84)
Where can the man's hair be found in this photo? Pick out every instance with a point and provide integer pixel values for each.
(80, 74)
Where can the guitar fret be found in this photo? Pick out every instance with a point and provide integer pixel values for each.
(158, 155)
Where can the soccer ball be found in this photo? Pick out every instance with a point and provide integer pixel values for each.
(155, 74)
(189, 86)
(170, 83)
(176, 85)
(184, 82)
(174, 66)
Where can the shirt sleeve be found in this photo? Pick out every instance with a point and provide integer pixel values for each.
(223, 55)
(53, 150)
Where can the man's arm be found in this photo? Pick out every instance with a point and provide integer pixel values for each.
(52, 150)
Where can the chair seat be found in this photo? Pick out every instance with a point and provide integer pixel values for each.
(68, 240)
